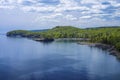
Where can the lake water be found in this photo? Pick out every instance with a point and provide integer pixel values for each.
(25, 59)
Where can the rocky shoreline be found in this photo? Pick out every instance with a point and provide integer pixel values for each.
(107, 47)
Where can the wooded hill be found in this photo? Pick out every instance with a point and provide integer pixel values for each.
(106, 35)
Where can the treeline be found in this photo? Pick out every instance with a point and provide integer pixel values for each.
(23, 33)
(110, 35)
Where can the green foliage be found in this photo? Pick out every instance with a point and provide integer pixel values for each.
(23, 33)
(63, 32)
(109, 35)
(17, 32)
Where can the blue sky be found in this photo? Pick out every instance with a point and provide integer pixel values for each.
(42, 14)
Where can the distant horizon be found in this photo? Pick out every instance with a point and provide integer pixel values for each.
(5, 31)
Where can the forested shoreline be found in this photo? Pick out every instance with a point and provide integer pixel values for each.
(105, 35)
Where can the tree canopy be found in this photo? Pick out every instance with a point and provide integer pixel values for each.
(106, 35)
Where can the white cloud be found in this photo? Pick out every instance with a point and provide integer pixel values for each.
(116, 14)
(70, 17)
(38, 8)
(100, 6)
(51, 17)
(64, 5)
(2, 1)
(69, 5)
(56, 17)
(114, 3)
(85, 17)
(92, 11)
(63, 8)
(68, 2)
(101, 15)
(7, 7)
(65, 11)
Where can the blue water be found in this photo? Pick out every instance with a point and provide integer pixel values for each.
(25, 59)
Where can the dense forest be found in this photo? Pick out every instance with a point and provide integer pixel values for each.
(106, 35)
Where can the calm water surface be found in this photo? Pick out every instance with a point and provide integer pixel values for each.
(24, 59)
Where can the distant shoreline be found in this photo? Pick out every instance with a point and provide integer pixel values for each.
(86, 41)
(83, 41)
(102, 36)
(107, 47)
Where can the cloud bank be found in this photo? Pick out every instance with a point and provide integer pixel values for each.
(80, 13)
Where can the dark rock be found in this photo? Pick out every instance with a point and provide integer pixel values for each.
(44, 39)
(113, 52)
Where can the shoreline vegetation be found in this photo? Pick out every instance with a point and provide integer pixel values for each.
(107, 38)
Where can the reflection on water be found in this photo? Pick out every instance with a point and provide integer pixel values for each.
(24, 59)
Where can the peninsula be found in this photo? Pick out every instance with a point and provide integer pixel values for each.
(104, 35)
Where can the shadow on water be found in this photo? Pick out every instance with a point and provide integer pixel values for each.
(105, 51)
(45, 42)
(66, 41)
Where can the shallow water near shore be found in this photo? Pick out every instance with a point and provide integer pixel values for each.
(25, 59)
